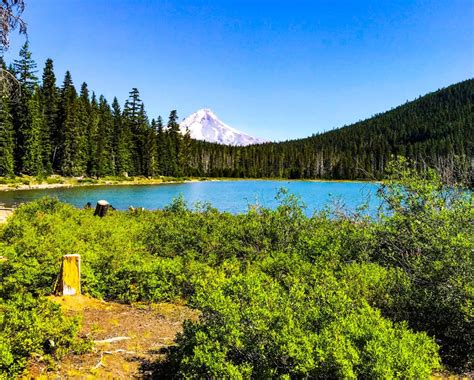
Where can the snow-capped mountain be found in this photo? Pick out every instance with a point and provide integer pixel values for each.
(205, 125)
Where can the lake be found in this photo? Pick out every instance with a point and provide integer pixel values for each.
(231, 196)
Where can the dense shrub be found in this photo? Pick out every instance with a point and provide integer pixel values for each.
(253, 327)
(429, 234)
(281, 294)
(34, 326)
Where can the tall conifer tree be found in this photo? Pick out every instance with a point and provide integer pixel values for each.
(83, 120)
(150, 157)
(135, 120)
(33, 162)
(104, 153)
(25, 71)
(92, 167)
(67, 119)
(161, 147)
(122, 136)
(49, 106)
(174, 145)
(7, 143)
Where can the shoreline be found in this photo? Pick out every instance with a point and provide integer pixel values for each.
(45, 186)
(152, 182)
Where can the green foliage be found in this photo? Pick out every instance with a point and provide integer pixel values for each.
(253, 327)
(33, 162)
(49, 105)
(29, 325)
(25, 69)
(7, 145)
(429, 235)
(281, 294)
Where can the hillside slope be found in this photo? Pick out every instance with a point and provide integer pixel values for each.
(436, 130)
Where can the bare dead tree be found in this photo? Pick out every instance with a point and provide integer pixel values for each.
(10, 19)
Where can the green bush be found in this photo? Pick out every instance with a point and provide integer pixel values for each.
(251, 327)
(54, 180)
(276, 288)
(429, 235)
(29, 325)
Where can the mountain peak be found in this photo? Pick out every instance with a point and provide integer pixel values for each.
(205, 125)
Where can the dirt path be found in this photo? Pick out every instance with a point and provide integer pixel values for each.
(127, 338)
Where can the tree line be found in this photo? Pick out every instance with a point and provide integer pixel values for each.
(436, 130)
(50, 129)
(54, 129)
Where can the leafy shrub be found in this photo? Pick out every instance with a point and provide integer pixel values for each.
(29, 325)
(429, 236)
(253, 328)
(54, 180)
(276, 288)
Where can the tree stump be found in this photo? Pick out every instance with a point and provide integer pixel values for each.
(69, 283)
(101, 208)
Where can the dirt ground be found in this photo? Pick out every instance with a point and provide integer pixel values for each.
(127, 339)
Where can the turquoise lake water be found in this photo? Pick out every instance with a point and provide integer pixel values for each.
(230, 196)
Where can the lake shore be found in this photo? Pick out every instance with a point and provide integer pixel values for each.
(65, 182)
(75, 182)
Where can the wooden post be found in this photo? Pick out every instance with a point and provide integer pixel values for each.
(70, 277)
(101, 208)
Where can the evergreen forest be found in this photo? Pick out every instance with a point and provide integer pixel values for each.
(51, 127)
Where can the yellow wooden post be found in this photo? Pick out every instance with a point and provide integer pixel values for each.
(70, 277)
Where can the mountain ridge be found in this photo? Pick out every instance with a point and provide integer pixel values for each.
(434, 130)
(204, 125)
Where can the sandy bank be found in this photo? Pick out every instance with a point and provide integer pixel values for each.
(34, 186)
(42, 186)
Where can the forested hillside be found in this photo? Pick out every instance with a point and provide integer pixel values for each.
(435, 130)
(50, 128)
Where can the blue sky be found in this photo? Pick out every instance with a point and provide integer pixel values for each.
(275, 69)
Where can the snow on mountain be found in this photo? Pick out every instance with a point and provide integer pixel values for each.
(205, 125)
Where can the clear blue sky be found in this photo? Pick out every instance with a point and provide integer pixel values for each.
(275, 69)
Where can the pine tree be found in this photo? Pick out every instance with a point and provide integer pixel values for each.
(93, 128)
(161, 148)
(6, 139)
(150, 157)
(33, 160)
(83, 121)
(185, 154)
(67, 132)
(49, 106)
(86, 128)
(135, 120)
(123, 161)
(25, 69)
(174, 145)
(104, 158)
